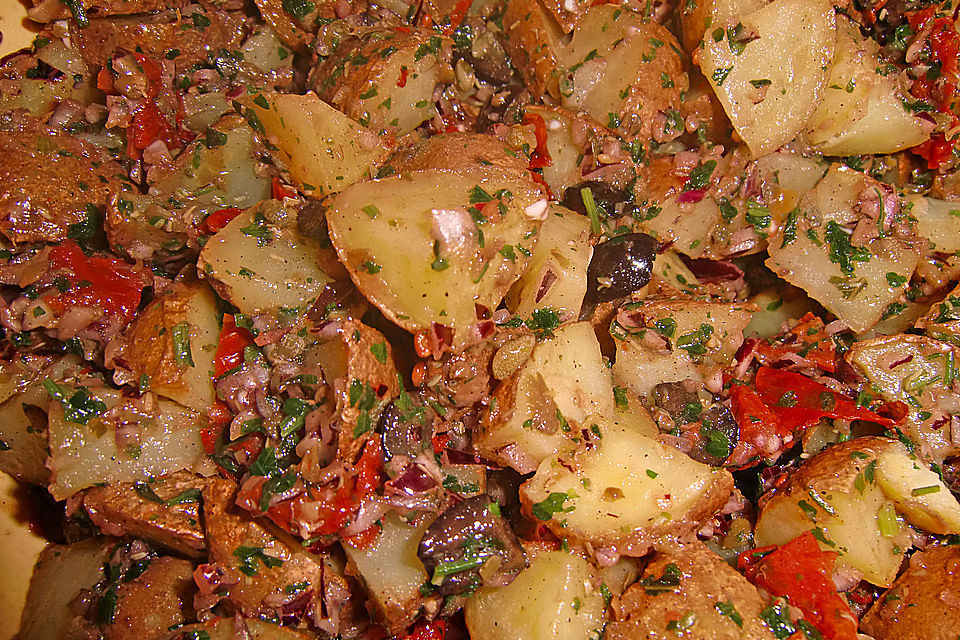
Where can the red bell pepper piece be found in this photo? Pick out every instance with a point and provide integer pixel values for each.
(424, 630)
(105, 283)
(808, 340)
(217, 220)
(801, 572)
(540, 156)
(233, 340)
(799, 402)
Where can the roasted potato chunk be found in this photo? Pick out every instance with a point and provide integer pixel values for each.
(165, 511)
(384, 78)
(159, 598)
(49, 181)
(689, 585)
(771, 68)
(835, 494)
(169, 347)
(454, 265)
(922, 598)
(624, 490)
(157, 35)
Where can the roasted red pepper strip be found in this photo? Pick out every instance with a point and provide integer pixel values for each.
(808, 340)
(218, 219)
(457, 15)
(104, 283)
(799, 402)
(800, 571)
(233, 340)
(540, 156)
(424, 630)
(280, 190)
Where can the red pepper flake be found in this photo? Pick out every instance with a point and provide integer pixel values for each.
(402, 81)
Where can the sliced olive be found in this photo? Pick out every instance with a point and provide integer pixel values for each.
(620, 266)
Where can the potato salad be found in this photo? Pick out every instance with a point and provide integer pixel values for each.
(484, 319)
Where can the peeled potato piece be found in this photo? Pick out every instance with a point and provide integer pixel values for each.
(770, 70)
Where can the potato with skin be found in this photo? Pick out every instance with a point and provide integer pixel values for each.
(169, 347)
(534, 42)
(710, 599)
(260, 561)
(557, 597)
(156, 600)
(770, 70)
(698, 16)
(231, 628)
(155, 36)
(384, 78)
(624, 490)
(623, 70)
(48, 180)
(261, 260)
(836, 495)
(540, 409)
(456, 152)
(924, 597)
(324, 150)
(813, 251)
(168, 516)
(458, 260)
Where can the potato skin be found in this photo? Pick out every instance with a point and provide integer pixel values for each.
(456, 151)
(532, 42)
(706, 581)
(47, 179)
(159, 598)
(926, 596)
(103, 38)
(834, 469)
(118, 506)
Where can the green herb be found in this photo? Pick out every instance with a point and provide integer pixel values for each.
(895, 280)
(79, 407)
(200, 21)
(666, 327)
(720, 74)
(716, 443)
(841, 251)
(620, 397)
(146, 492)
(79, 15)
(590, 205)
(265, 464)
(667, 582)
(299, 8)
(276, 485)
(553, 503)
(727, 609)
(258, 229)
(699, 178)
(694, 342)
(371, 267)
(180, 333)
(777, 618)
(248, 557)
(922, 491)
(379, 351)
(542, 322)
(107, 604)
(887, 521)
(87, 229)
(214, 138)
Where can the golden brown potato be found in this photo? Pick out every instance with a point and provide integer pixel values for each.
(165, 511)
(385, 78)
(533, 41)
(624, 70)
(457, 152)
(297, 31)
(836, 495)
(48, 179)
(262, 562)
(157, 36)
(924, 597)
(711, 599)
(157, 599)
(169, 347)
